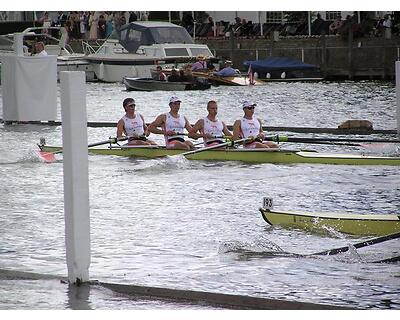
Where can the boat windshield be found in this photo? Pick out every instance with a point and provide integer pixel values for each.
(136, 34)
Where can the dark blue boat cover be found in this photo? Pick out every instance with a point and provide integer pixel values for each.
(279, 63)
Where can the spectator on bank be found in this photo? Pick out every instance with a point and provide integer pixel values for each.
(102, 27)
(93, 25)
(145, 16)
(187, 21)
(74, 20)
(220, 29)
(336, 25)
(61, 19)
(387, 23)
(236, 28)
(46, 22)
(132, 17)
(317, 25)
(211, 26)
(367, 26)
(109, 24)
(83, 22)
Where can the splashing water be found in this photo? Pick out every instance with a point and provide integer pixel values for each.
(259, 246)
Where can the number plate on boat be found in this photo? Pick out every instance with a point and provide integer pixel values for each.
(267, 203)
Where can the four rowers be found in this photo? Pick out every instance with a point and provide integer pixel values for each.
(172, 125)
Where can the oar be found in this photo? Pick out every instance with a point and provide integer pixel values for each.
(279, 138)
(48, 156)
(388, 260)
(359, 245)
(228, 143)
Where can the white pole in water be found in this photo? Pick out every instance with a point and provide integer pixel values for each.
(398, 96)
(76, 184)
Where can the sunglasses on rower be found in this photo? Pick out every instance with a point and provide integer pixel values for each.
(131, 105)
(250, 108)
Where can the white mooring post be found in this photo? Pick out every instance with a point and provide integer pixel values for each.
(398, 96)
(76, 184)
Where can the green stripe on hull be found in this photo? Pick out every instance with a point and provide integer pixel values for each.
(252, 155)
(357, 224)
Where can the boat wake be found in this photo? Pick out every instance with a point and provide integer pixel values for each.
(161, 164)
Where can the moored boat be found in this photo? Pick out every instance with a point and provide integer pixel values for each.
(149, 84)
(238, 80)
(246, 155)
(357, 224)
(284, 69)
(137, 47)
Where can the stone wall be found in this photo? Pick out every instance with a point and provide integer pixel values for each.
(360, 58)
(370, 58)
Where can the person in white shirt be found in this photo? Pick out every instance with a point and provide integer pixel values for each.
(39, 49)
(250, 127)
(172, 125)
(210, 128)
(132, 125)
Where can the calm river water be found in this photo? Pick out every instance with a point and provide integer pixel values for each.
(181, 224)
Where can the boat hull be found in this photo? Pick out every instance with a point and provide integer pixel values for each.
(357, 224)
(146, 84)
(246, 155)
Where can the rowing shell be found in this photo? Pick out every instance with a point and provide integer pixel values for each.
(357, 224)
(245, 155)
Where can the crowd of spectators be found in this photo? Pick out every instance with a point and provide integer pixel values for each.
(88, 25)
(99, 25)
(247, 29)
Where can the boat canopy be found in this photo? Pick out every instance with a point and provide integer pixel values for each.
(279, 64)
(135, 34)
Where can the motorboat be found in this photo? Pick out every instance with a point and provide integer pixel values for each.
(137, 47)
(67, 59)
(149, 84)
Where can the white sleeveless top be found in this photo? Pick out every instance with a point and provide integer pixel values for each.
(174, 124)
(215, 128)
(249, 127)
(133, 126)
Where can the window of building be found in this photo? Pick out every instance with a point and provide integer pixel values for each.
(274, 16)
(332, 15)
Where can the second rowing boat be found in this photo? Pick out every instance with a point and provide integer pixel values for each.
(357, 224)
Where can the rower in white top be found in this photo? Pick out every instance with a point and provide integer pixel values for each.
(172, 126)
(210, 128)
(249, 126)
(133, 126)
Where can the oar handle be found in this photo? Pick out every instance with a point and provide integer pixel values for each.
(110, 140)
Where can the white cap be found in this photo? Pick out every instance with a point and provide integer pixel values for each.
(246, 104)
(174, 99)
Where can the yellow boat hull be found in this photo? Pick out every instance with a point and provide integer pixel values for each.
(245, 155)
(356, 224)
